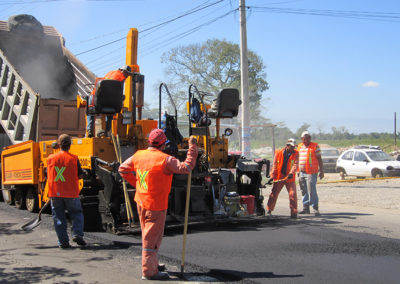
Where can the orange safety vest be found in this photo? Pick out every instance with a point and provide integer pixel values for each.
(152, 184)
(112, 75)
(62, 175)
(279, 164)
(115, 75)
(311, 161)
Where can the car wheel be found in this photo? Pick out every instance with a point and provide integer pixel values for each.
(342, 173)
(377, 174)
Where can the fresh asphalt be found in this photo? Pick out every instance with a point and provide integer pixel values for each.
(280, 250)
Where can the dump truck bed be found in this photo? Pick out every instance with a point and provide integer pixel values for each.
(39, 81)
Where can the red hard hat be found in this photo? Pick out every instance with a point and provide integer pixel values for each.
(157, 137)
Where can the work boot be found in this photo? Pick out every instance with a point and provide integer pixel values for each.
(161, 267)
(158, 276)
(316, 212)
(306, 210)
(64, 246)
(90, 133)
(79, 240)
(269, 214)
(294, 216)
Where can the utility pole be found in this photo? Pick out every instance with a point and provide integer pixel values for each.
(395, 142)
(244, 72)
(273, 141)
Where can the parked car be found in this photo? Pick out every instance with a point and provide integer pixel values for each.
(366, 161)
(329, 158)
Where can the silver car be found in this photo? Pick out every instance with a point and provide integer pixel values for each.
(329, 157)
(366, 162)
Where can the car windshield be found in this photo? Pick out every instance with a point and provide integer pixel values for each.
(379, 156)
(329, 152)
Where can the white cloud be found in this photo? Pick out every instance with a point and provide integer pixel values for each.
(371, 84)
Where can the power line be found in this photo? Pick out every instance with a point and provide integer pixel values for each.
(162, 44)
(155, 26)
(366, 15)
(185, 34)
(124, 29)
(151, 43)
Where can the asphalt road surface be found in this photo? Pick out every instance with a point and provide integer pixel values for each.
(355, 240)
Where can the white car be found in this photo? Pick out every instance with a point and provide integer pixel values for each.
(365, 162)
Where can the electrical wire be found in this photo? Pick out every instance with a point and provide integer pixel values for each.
(155, 46)
(184, 34)
(150, 43)
(153, 27)
(365, 15)
(139, 27)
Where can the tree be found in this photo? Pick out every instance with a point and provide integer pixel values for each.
(212, 66)
(302, 128)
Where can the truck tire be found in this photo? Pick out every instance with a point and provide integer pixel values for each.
(32, 201)
(20, 198)
(8, 196)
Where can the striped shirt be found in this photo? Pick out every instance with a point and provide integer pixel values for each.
(303, 156)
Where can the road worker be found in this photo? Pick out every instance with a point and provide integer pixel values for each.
(151, 172)
(119, 75)
(283, 173)
(63, 174)
(310, 162)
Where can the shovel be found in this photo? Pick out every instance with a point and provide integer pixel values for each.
(35, 222)
(189, 183)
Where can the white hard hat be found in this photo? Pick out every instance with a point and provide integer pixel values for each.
(291, 142)
(305, 133)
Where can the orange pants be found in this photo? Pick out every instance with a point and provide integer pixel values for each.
(152, 224)
(276, 189)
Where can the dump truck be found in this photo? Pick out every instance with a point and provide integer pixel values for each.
(38, 104)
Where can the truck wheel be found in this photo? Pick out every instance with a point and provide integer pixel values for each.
(32, 201)
(8, 196)
(20, 199)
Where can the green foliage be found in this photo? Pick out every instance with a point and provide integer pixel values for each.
(302, 128)
(212, 66)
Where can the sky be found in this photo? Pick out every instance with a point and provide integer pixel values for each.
(330, 63)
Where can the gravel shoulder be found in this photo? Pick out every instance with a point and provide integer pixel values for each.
(367, 206)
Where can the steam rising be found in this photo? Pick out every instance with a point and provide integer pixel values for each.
(39, 59)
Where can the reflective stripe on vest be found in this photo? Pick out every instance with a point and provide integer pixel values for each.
(152, 184)
(279, 161)
(311, 166)
(62, 175)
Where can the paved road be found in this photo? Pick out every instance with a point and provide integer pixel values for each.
(352, 242)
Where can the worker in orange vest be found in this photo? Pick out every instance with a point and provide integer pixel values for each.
(119, 75)
(63, 174)
(283, 174)
(151, 172)
(310, 162)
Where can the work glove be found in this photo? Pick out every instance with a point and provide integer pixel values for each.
(192, 140)
(289, 176)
